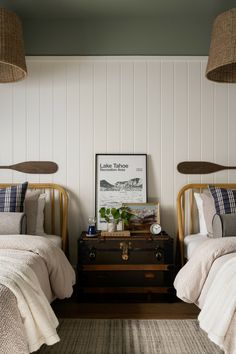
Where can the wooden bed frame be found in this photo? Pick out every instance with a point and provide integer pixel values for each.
(57, 206)
(186, 210)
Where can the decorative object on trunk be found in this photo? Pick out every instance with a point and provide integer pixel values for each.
(34, 167)
(115, 216)
(12, 56)
(221, 66)
(91, 226)
(201, 167)
(143, 215)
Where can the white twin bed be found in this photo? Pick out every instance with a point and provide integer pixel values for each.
(208, 279)
(33, 272)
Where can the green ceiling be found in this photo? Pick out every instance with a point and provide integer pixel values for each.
(117, 27)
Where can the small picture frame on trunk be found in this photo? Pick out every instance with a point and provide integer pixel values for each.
(143, 216)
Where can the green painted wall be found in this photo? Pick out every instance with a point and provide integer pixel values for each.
(146, 36)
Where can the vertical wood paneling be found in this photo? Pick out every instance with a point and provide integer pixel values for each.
(69, 109)
(154, 130)
(19, 133)
(6, 119)
(100, 107)
(86, 138)
(221, 129)
(140, 107)
(180, 120)
(231, 131)
(73, 150)
(194, 114)
(167, 132)
(113, 107)
(59, 135)
(207, 123)
(46, 116)
(127, 107)
(32, 117)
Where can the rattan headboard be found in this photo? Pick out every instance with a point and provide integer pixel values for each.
(186, 210)
(56, 211)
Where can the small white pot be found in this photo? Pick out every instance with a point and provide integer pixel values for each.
(111, 227)
(120, 226)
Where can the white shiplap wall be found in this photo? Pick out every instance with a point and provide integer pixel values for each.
(70, 108)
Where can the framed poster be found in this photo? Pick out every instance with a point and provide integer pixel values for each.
(120, 178)
(143, 216)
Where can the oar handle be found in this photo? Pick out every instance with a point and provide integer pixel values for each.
(5, 167)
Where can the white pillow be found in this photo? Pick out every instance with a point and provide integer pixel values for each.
(202, 222)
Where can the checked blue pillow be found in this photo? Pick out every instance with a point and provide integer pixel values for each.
(12, 198)
(225, 200)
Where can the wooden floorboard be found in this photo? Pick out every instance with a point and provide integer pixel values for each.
(176, 310)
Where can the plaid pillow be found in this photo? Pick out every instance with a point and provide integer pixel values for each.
(225, 200)
(12, 198)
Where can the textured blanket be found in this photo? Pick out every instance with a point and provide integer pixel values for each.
(220, 304)
(190, 283)
(27, 319)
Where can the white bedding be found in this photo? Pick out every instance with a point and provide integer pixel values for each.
(191, 242)
(220, 303)
(54, 238)
(39, 320)
(39, 266)
(201, 281)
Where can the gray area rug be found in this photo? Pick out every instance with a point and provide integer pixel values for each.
(117, 336)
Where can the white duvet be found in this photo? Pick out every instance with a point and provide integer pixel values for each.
(37, 316)
(219, 307)
(217, 316)
(39, 320)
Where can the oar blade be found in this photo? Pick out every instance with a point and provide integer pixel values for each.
(35, 167)
(198, 167)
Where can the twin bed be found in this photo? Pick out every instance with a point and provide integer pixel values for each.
(208, 279)
(33, 272)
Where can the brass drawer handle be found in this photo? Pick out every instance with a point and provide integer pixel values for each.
(124, 246)
(149, 275)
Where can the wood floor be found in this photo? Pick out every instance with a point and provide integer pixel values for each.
(175, 310)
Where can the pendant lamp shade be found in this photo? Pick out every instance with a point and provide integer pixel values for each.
(221, 66)
(12, 56)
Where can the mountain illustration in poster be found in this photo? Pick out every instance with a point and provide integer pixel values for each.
(130, 185)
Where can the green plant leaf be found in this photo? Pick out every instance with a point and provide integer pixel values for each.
(108, 211)
(102, 212)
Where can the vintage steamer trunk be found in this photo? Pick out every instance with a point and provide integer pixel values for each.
(137, 264)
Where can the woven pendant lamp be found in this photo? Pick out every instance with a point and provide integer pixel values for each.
(221, 66)
(12, 56)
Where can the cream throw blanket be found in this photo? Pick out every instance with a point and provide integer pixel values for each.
(38, 317)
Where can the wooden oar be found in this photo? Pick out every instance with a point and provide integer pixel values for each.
(201, 167)
(41, 167)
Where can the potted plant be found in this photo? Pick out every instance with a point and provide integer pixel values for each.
(113, 216)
